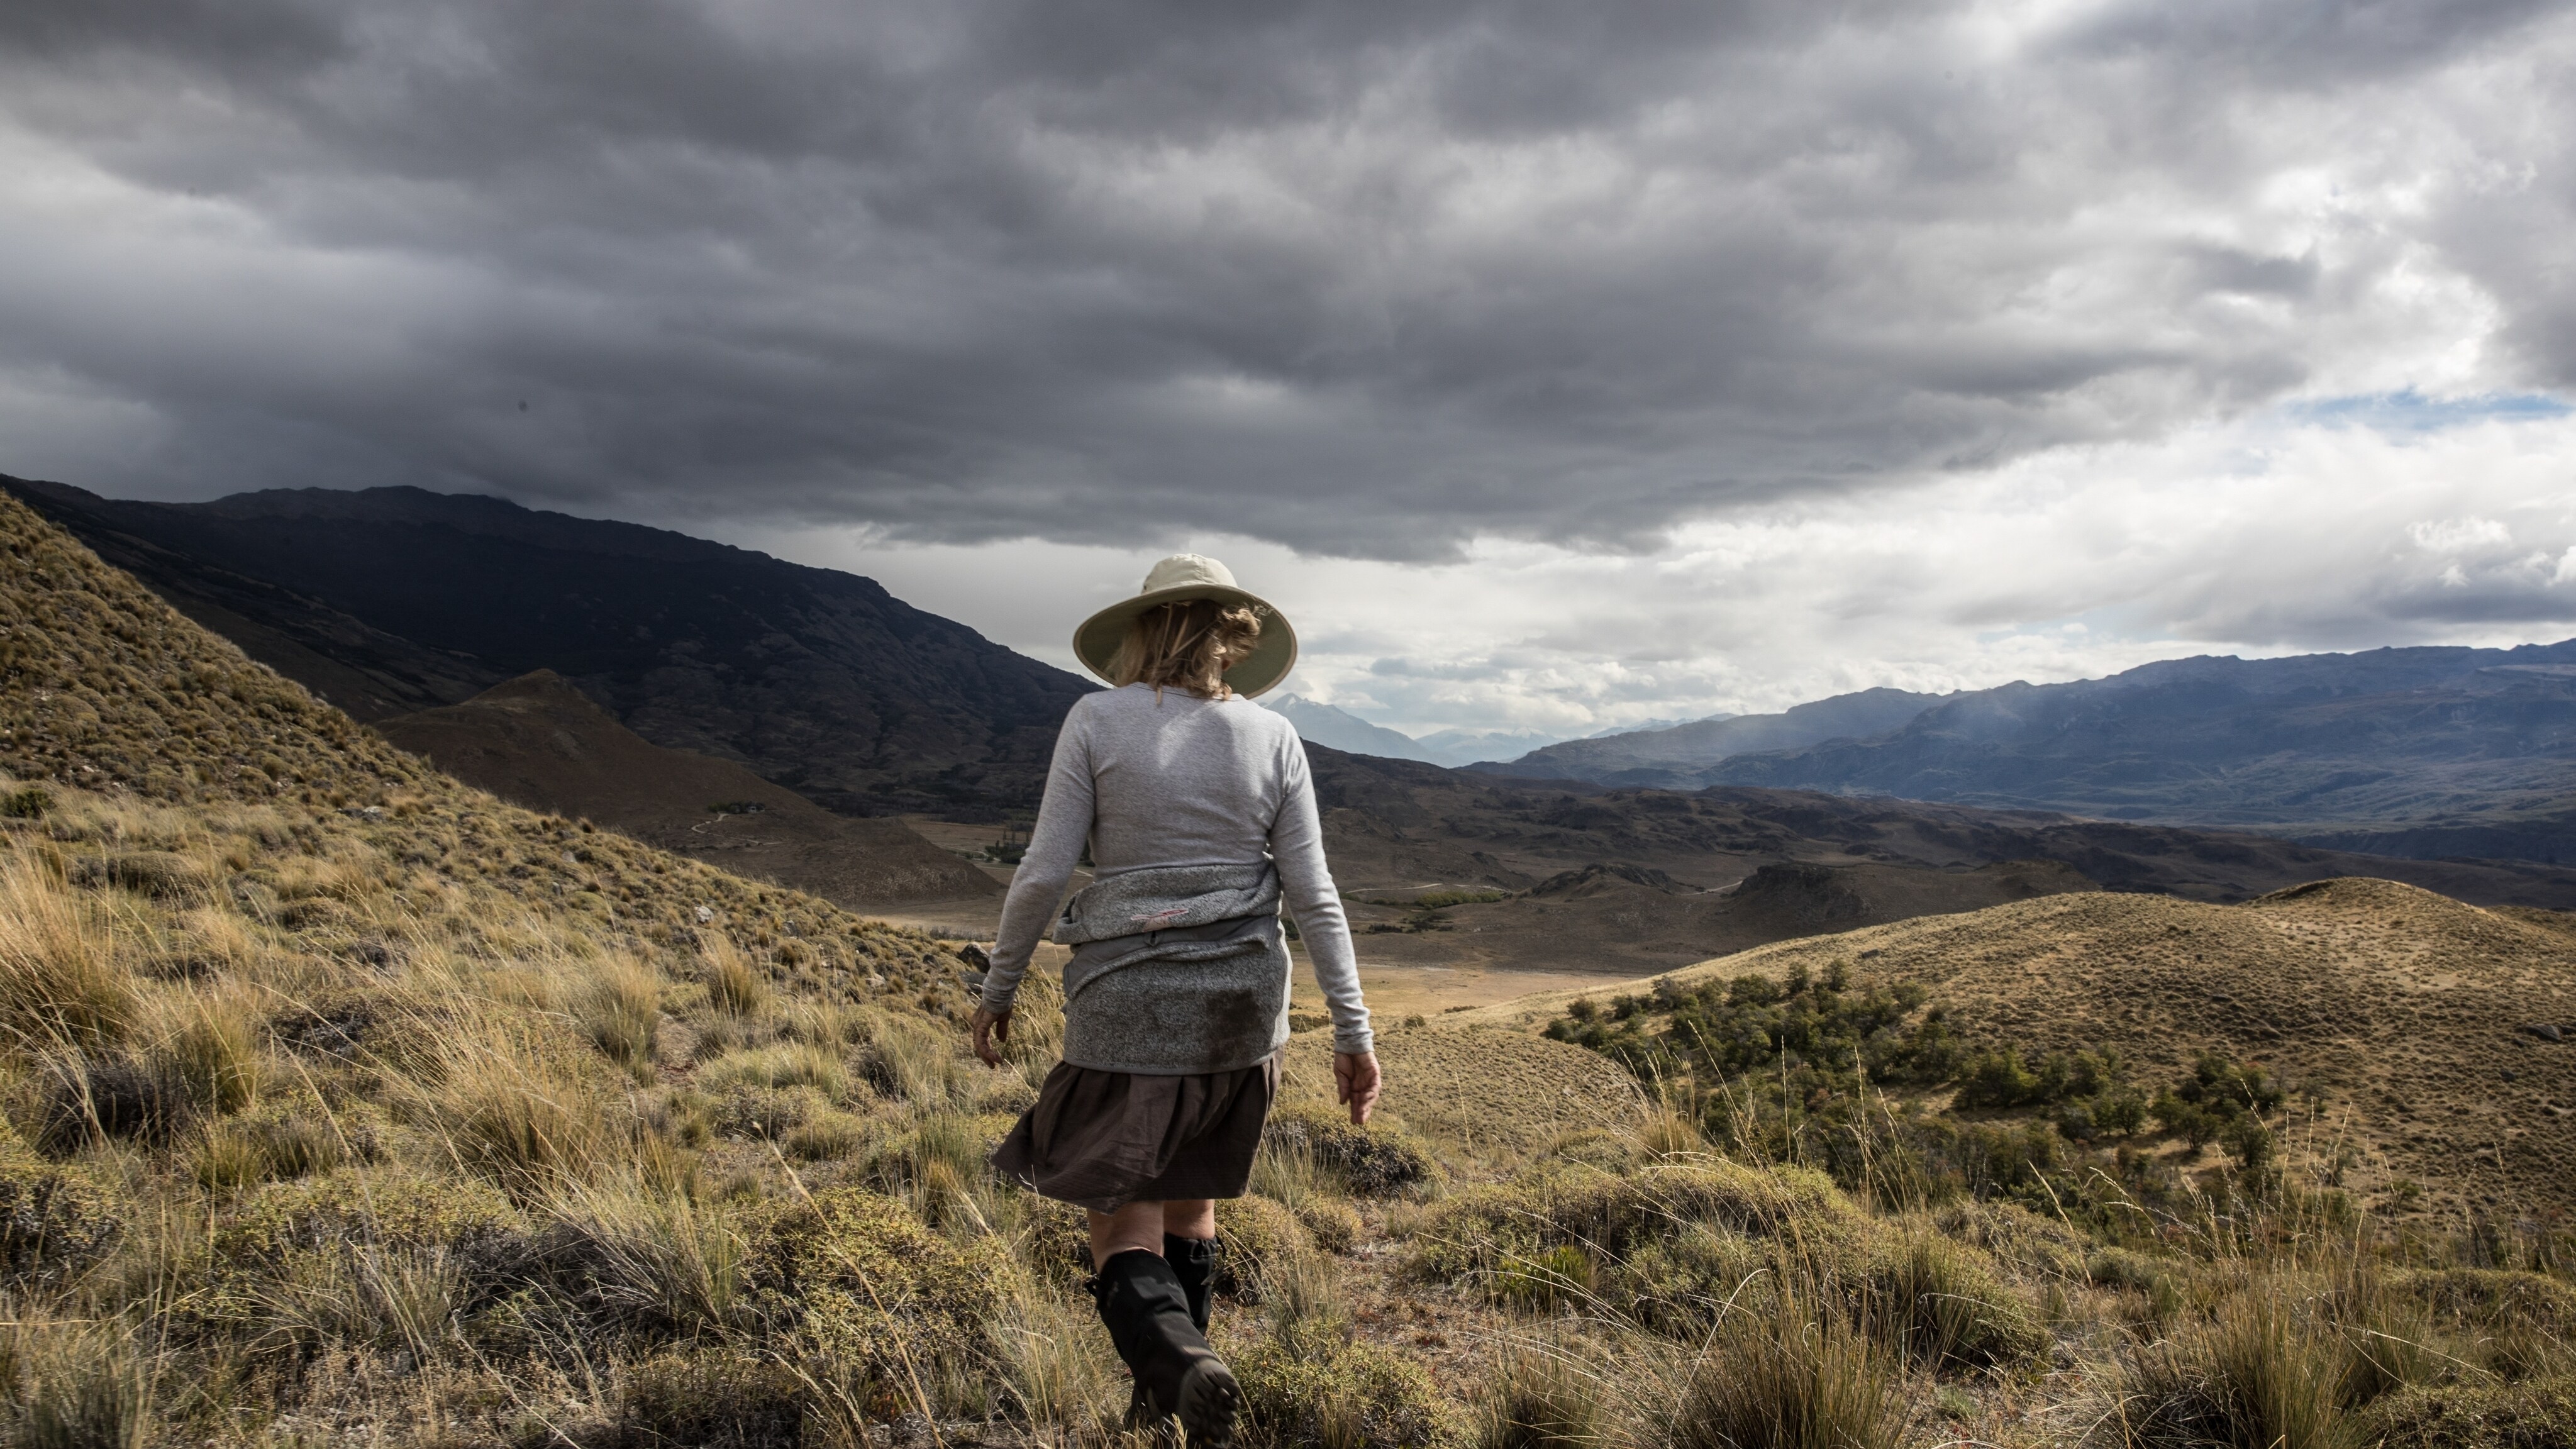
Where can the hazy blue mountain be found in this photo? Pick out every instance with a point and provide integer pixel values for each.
(1674, 757)
(1339, 729)
(1467, 747)
(2431, 751)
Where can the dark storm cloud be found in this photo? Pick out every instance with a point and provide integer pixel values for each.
(1363, 278)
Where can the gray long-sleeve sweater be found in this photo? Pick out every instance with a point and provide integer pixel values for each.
(1156, 781)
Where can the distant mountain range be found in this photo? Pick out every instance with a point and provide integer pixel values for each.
(393, 600)
(1339, 729)
(2424, 752)
(1666, 758)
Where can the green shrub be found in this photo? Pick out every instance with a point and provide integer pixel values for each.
(712, 1395)
(826, 1137)
(862, 1283)
(465, 1218)
(1252, 1234)
(1350, 1394)
(55, 1221)
(1372, 1161)
(1475, 1231)
(2538, 1415)
(1562, 1276)
(1334, 1225)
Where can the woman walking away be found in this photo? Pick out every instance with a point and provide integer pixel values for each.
(1201, 821)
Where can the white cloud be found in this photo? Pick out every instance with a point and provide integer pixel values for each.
(2259, 537)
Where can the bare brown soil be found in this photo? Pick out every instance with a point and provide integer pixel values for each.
(537, 741)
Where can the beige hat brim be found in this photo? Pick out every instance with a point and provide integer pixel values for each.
(1096, 642)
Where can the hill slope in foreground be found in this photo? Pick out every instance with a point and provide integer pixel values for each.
(340, 1102)
(2411, 1014)
(539, 742)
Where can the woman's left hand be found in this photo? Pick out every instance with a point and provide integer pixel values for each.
(988, 1027)
(1355, 1083)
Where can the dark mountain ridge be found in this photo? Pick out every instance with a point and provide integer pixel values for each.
(393, 600)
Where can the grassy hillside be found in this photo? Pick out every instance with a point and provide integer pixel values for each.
(2414, 1024)
(342, 1103)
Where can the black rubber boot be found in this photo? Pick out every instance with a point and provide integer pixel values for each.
(1193, 1261)
(1148, 1317)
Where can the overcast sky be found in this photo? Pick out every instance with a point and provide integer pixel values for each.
(1555, 365)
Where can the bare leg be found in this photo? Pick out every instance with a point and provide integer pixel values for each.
(1190, 1217)
(1141, 1225)
(1138, 1225)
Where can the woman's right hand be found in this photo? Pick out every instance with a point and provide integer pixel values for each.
(1355, 1083)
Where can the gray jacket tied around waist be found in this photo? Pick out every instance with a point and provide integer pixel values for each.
(1175, 970)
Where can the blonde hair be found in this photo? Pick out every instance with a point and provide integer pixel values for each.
(1186, 646)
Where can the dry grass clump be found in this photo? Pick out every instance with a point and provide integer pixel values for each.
(1543, 1395)
(1788, 1378)
(79, 1385)
(659, 1261)
(62, 984)
(734, 985)
(621, 1009)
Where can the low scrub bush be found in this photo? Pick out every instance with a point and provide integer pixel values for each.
(1355, 1393)
(1253, 1234)
(715, 1395)
(2473, 1416)
(857, 1280)
(1372, 1162)
(468, 1221)
(56, 1222)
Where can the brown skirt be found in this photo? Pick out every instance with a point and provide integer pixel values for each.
(1102, 1140)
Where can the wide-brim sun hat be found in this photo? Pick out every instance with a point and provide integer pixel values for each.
(1179, 579)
